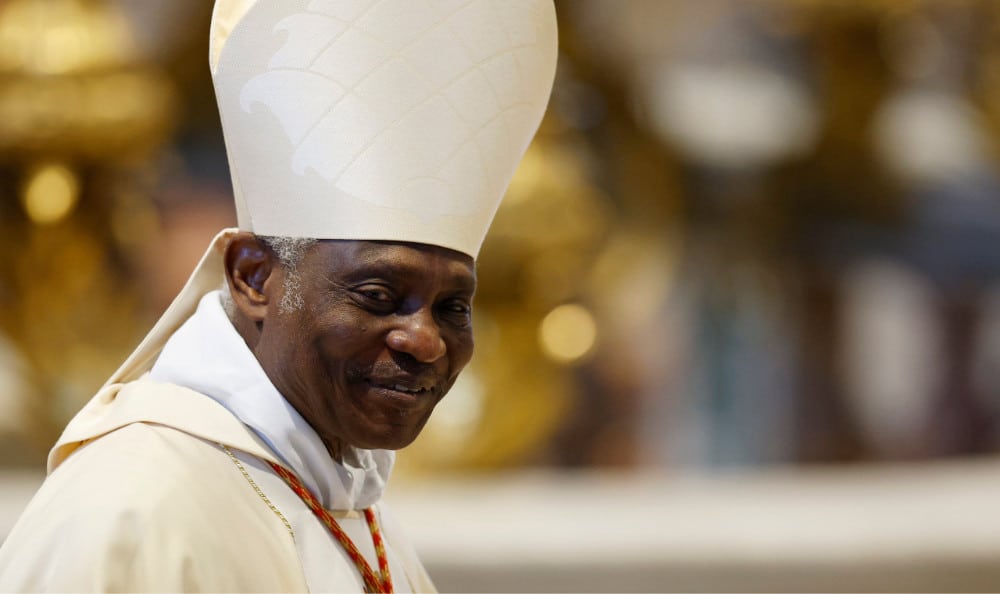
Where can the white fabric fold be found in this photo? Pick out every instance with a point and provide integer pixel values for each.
(207, 355)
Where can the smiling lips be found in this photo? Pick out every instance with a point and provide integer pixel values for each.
(412, 388)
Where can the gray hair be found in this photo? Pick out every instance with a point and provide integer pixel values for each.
(289, 251)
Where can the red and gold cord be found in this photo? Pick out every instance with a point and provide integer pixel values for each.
(373, 583)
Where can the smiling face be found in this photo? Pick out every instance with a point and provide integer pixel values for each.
(383, 331)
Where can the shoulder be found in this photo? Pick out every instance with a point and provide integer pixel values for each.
(144, 402)
(141, 468)
(142, 460)
(149, 507)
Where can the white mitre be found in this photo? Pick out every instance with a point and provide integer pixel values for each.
(397, 120)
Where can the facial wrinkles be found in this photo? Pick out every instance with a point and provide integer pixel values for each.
(390, 372)
(304, 384)
(390, 368)
(369, 365)
(412, 313)
(301, 377)
(341, 349)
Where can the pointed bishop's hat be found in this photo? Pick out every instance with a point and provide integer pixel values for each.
(397, 120)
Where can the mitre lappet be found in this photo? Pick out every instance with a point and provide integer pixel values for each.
(395, 120)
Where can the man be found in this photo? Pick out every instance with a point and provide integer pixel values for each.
(245, 445)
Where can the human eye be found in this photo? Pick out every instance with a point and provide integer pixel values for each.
(458, 311)
(375, 297)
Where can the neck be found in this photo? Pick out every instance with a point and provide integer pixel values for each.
(336, 449)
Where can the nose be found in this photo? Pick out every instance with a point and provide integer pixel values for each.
(419, 336)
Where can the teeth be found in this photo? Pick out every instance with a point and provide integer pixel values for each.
(396, 387)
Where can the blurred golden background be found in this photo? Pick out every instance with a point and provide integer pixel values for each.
(750, 235)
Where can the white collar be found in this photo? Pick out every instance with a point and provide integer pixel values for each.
(207, 355)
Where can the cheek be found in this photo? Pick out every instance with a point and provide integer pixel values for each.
(341, 323)
(347, 343)
(461, 347)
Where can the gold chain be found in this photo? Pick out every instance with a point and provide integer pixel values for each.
(253, 484)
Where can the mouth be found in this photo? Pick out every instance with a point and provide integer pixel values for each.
(408, 390)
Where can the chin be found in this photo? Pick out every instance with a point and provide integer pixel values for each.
(379, 436)
(387, 442)
(393, 434)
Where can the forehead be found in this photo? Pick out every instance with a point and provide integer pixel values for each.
(348, 258)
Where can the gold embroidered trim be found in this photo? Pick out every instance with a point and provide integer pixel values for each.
(253, 484)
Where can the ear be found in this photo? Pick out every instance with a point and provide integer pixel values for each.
(251, 271)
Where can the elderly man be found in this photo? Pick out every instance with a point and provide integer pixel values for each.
(245, 445)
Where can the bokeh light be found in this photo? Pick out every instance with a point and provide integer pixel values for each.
(50, 193)
(568, 333)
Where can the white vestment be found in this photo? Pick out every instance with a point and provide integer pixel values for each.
(142, 496)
